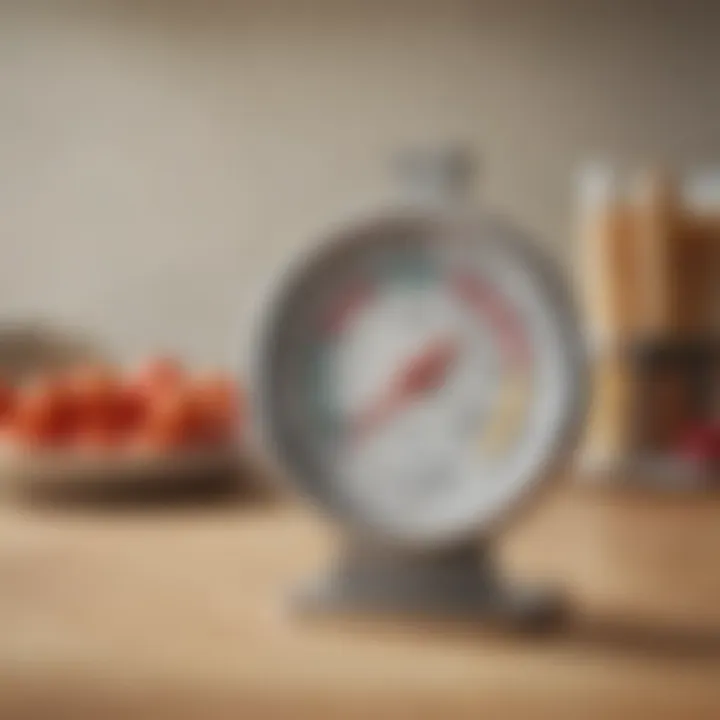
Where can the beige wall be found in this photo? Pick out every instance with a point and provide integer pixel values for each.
(157, 157)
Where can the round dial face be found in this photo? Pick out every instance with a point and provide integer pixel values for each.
(419, 375)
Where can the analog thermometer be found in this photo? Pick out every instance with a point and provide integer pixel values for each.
(420, 374)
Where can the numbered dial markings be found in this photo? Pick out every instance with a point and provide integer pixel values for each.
(418, 380)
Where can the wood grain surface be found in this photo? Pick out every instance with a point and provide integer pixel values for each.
(185, 614)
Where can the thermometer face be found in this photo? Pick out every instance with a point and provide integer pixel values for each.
(418, 375)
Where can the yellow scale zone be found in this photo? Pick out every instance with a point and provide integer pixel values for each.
(508, 414)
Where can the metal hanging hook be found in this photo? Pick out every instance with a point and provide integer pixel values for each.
(440, 175)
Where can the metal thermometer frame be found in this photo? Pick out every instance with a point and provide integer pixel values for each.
(555, 291)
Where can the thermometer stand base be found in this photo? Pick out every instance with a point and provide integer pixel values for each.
(462, 584)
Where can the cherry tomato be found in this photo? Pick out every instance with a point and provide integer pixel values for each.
(7, 404)
(218, 402)
(44, 413)
(159, 372)
(95, 392)
(171, 421)
(131, 409)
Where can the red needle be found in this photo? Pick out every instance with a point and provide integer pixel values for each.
(422, 373)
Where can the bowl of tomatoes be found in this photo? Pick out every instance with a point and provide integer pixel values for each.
(96, 422)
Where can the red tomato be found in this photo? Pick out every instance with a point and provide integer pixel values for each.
(131, 409)
(7, 404)
(44, 413)
(95, 390)
(217, 399)
(159, 372)
(171, 421)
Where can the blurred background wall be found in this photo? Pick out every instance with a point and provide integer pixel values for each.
(157, 158)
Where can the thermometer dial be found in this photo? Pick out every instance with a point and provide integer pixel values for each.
(418, 375)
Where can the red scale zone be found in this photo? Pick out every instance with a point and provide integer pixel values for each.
(492, 306)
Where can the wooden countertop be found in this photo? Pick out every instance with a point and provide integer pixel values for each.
(183, 614)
